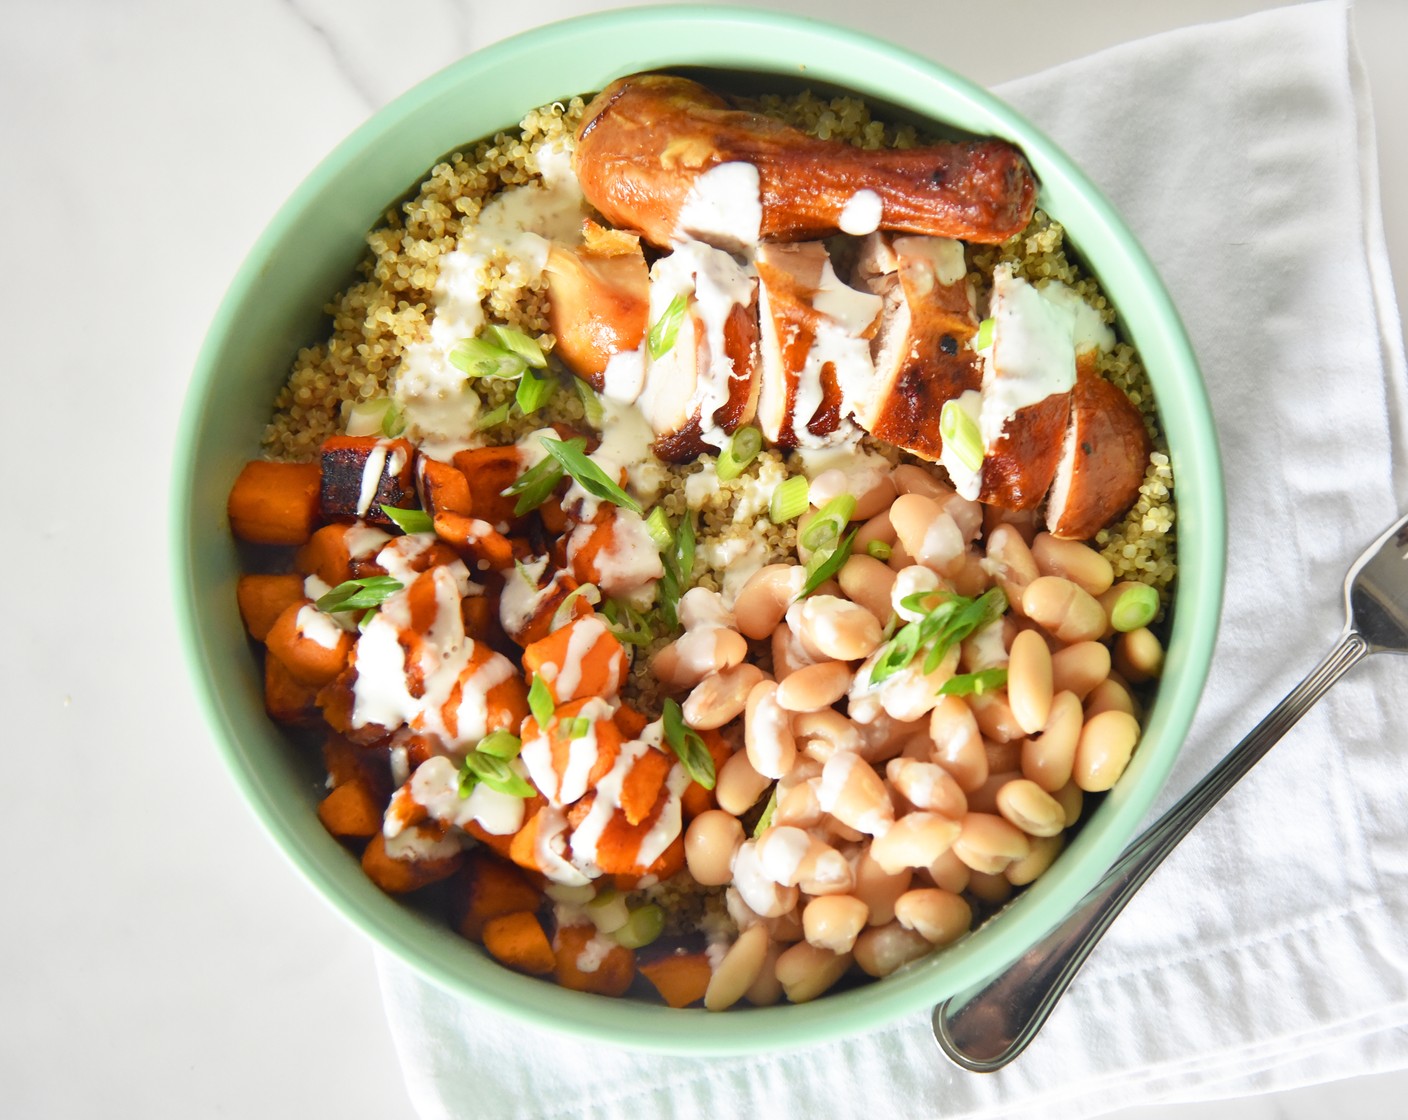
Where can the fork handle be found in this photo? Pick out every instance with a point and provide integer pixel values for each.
(986, 1027)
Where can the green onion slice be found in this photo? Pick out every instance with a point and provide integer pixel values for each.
(880, 550)
(825, 563)
(590, 477)
(628, 624)
(518, 343)
(645, 924)
(789, 499)
(591, 403)
(478, 357)
(564, 613)
(359, 594)
(661, 339)
(960, 433)
(578, 727)
(1137, 605)
(689, 748)
(741, 450)
(829, 523)
(768, 810)
(948, 620)
(974, 684)
(494, 417)
(500, 744)
(535, 485)
(984, 339)
(497, 774)
(534, 391)
(410, 520)
(540, 701)
(658, 526)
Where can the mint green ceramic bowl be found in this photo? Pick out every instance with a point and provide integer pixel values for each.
(308, 252)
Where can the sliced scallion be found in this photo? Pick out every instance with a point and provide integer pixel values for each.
(826, 562)
(566, 609)
(478, 357)
(590, 477)
(658, 526)
(500, 744)
(577, 728)
(661, 339)
(741, 449)
(628, 624)
(789, 500)
(688, 746)
(494, 416)
(645, 924)
(363, 594)
(410, 520)
(829, 523)
(880, 550)
(534, 485)
(960, 434)
(534, 391)
(497, 774)
(591, 403)
(984, 338)
(516, 342)
(974, 684)
(540, 701)
(1137, 605)
(768, 811)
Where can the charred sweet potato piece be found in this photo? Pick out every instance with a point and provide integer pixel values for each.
(489, 472)
(351, 810)
(287, 699)
(518, 941)
(327, 555)
(614, 970)
(680, 978)
(274, 503)
(336, 700)
(586, 659)
(443, 488)
(314, 657)
(643, 783)
(263, 598)
(360, 474)
(477, 541)
(398, 876)
(487, 887)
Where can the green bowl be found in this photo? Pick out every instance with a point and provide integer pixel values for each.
(309, 251)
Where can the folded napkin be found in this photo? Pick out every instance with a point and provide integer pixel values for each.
(1268, 952)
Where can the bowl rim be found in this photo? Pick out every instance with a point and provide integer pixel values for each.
(763, 44)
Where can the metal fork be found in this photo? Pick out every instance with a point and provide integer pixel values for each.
(986, 1027)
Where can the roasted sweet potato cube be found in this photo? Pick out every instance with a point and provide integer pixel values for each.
(351, 810)
(312, 647)
(489, 472)
(477, 541)
(287, 699)
(274, 503)
(613, 972)
(443, 488)
(262, 598)
(398, 876)
(326, 555)
(518, 941)
(680, 978)
(487, 887)
(346, 463)
(598, 660)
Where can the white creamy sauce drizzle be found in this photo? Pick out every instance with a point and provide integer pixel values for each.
(861, 214)
(371, 476)
(925, 261)
(965, 479)
(417, 844)
(723, 207)
(629, 561)
(435, 786)
(318, 627)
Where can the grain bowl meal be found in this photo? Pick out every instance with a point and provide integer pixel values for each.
(720, 549)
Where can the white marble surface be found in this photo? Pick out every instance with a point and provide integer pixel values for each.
(159, 958)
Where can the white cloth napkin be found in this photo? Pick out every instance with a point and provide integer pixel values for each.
(1269, 951)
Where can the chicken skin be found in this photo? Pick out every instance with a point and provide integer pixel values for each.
(651, 147)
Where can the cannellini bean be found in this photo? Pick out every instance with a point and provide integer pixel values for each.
(738, 786)
(1047, 758)
(967, 515)
(928, 786)
(787, 654)
(764, 599)
(720, 697)
(785, 929)
(958, 744)
(1072, 801)
(884, 738)
(1043, 853)
(1023, 520)
(1029, 681)
(766, 990)
(710, 843)
(912, 693)
(1011, 563)
(868, 581)
(912, 479)
(984, 798)
(882, 950)
(928, 533)
(1139, 655)
(879, 888)
(995, 718)
(1106, 743)
(821, 734)
(739, 968)
(1109, 695)
(799, 805)
(1078, 563)
(915, 840)
(1080, 667)
(1063, 609)
(988, 843)
(853, 793)
(986, 647)
(899, 557)
(805, 971)
(841, 833)
(834, 921)
(792, 857)
(971, 577)
(950, 873)
(875, 498)
(700, 606)
(767, 732)
(837, 628)
(697, 653)
(1031, 808)
(1003, 756)
(763, 895)
(994, 888)
(939, 916)
(828, 484)
(878, 528)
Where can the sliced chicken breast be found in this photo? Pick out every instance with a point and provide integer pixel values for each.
(598, 300)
